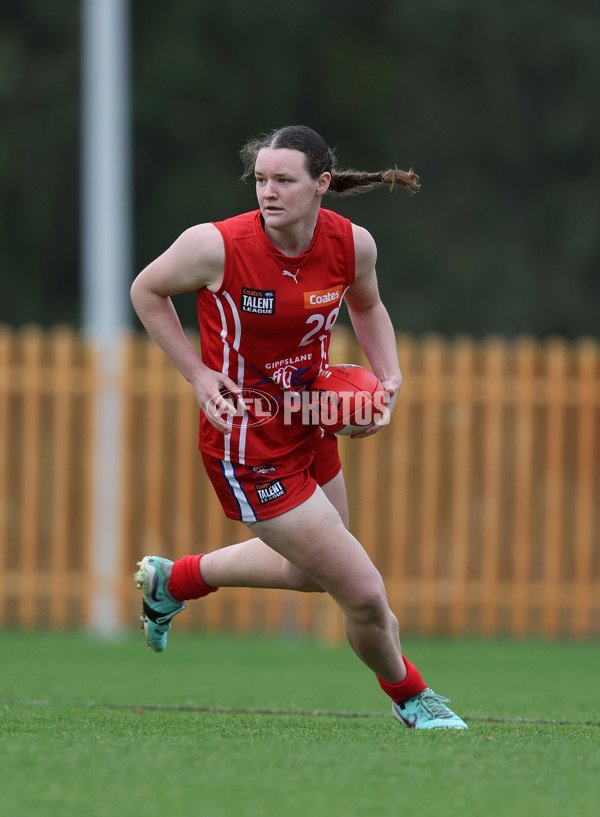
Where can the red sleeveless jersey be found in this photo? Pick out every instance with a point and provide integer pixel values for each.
(268, 328)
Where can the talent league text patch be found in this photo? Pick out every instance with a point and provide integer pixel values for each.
(258, 301)
(268, 491)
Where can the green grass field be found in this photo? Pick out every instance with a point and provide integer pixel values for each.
(220, 726)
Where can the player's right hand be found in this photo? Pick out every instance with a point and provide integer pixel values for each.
(219, 398)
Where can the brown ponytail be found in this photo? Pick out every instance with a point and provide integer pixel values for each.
(350, 182)
(320, 158)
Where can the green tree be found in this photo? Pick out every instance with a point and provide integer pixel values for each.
(494, 104)
(39, 139)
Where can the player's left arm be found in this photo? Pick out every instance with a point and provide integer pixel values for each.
(370, 319)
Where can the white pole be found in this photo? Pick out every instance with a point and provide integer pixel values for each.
(106, 263)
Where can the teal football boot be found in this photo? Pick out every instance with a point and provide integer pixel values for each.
(158, 604)
(427, 711)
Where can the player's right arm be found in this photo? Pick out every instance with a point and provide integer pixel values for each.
(195, 260)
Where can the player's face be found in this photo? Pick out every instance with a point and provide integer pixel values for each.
(286, 191)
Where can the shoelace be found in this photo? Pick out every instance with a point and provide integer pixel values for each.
(435, 704)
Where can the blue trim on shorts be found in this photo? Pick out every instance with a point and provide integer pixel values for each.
(246, 514)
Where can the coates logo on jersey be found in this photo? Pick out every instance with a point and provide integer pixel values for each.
(323, 297)
(250, 407)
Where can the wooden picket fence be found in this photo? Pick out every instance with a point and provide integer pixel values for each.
(479, 503)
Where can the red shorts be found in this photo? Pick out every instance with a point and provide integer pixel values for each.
(253, 492)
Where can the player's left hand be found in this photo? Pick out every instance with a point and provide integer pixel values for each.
(391, 392)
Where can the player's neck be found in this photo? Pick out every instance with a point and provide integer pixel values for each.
(294, 239)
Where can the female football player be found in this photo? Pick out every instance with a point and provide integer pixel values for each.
(269, 286)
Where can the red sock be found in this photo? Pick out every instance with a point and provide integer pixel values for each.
(186, 581)
(411, 686)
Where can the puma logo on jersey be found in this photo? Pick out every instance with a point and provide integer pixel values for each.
(293, 275)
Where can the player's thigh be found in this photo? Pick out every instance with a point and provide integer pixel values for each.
(313, 537)
(326, 468)
(335, 491)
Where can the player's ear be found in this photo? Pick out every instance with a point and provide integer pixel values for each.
(323, 183)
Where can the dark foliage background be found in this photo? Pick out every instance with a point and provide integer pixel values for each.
(495, 104)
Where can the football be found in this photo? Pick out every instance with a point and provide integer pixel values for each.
(349, 398)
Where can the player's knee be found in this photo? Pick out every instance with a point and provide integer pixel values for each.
(371, 605)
